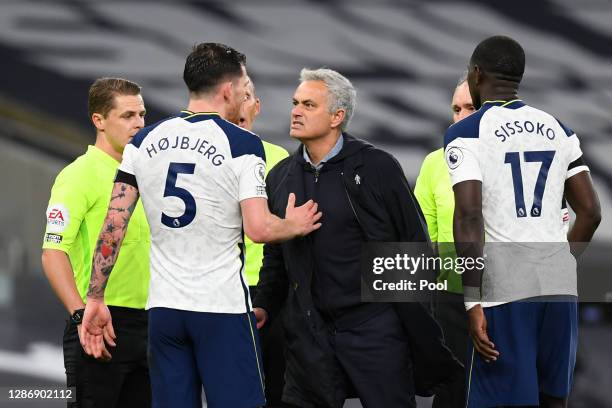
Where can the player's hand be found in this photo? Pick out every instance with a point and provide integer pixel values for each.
(97, 328)
(261, 315)
(79, 329)
(303, 218)
(478, 333)
(79, 332)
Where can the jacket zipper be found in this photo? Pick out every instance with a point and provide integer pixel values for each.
(316, 175)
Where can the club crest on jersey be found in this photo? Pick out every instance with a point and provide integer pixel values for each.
(454, 157)
(260, 173)
(58, 218)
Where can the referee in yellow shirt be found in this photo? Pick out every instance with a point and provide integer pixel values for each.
(76, 211)
(434, 192)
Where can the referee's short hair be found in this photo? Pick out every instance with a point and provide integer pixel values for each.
(501, 56)
(102, 94)
(209, 64)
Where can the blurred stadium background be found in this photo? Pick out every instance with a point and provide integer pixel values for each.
(403, 56)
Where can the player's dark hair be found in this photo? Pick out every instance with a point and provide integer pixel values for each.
(500, 56)
(209, 64)
(101, 98)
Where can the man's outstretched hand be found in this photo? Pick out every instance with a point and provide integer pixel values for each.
(303, 218)
(97, 329)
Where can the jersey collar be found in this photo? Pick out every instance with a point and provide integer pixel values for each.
(513, 104)
(198, 116)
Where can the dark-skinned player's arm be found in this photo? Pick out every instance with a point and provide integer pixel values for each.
(468, 230)
(582, 197)
(97, 323)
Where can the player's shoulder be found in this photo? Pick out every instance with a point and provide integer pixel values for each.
(145, 131)
(550, 118)
(566, 129)
(241, 141)
(467, 127)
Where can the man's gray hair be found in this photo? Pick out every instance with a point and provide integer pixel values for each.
(462, 79)
(342, 94)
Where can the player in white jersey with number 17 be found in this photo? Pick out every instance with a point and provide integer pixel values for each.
(510, 164)
(201, 179)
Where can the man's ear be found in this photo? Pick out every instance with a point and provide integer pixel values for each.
(226, 90)
(478, 75)
(257, 106)
(337, 118)
(98, 121)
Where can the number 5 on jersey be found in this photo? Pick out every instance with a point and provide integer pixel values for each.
(172, 190)
(514, 159)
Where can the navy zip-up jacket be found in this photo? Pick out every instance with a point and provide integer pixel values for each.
(385, 210)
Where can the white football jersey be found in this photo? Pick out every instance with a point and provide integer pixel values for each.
(192, 172)
(523, 156)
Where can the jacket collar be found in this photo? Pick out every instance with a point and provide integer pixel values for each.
(350, 146)
(333, 152)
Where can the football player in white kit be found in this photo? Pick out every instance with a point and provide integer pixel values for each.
(201, 180)
(510, 164)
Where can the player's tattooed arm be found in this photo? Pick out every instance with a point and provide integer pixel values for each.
(123, 201)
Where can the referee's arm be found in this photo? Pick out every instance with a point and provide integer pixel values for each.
(58, 271)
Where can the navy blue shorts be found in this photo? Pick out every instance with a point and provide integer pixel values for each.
(217, 351)
(537, 342)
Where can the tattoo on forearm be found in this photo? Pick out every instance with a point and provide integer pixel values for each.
(122, 204)
(120, 194)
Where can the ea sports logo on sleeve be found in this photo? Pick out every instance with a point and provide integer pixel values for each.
(454, 157)
(57, 218)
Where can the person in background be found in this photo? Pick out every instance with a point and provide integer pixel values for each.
(434, 192)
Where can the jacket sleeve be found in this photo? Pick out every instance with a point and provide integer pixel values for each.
(434, 363)
(273, 284)
(400, 202)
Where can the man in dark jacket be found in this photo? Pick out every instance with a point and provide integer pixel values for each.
(337, 345)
